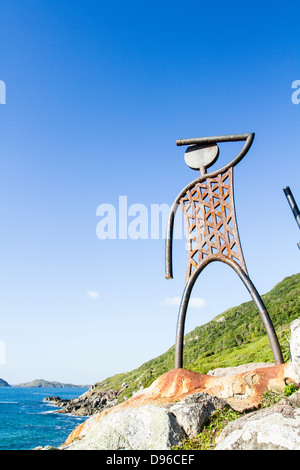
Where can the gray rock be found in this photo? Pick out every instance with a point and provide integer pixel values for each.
(144, 428)
(150, 427)
(88, 403)
(195, 410)
(274, 428)
(231, 371)
(46, 448)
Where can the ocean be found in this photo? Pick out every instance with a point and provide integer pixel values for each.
(27, 422)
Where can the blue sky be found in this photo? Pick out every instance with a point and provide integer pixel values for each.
(96, 95)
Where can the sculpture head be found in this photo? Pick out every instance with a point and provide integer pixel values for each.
(201, 157)
(203, 152)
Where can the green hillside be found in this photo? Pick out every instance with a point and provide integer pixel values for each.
(234, 337)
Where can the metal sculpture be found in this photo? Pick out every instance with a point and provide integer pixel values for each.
(212, 233)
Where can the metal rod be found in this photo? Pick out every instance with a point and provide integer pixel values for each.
(292, 204)
(169, 244)
(215, 139)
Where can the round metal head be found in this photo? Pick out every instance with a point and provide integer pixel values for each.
(201, 156)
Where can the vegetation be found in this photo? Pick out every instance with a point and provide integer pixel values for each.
(234, 337)
(290, 389)
(206, 440)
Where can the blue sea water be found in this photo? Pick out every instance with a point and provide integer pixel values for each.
(27, 422)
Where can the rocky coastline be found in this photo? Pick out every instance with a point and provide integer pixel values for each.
(89, 403)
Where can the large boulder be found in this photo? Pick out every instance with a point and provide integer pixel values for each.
(149, 427)
(274, 428)
(144, 428)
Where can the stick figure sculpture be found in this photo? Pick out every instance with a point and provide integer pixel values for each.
(212, 234)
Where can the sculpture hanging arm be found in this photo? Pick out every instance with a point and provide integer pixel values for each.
(201, 141)
(169, 241)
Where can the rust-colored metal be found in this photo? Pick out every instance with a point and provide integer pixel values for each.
(212, 233)
(209, 215)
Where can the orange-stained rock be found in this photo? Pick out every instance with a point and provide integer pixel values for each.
(177, 383)
(242, 392)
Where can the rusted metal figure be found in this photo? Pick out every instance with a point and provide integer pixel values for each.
(212, 233)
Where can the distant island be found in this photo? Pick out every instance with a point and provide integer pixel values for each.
(41, 383)
(3, 383)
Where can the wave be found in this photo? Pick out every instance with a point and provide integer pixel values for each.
(8, 402)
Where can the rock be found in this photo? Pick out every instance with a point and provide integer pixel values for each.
(230, 371)
(195, 410)
(3, 383)
(277, 385)
(145, 428)
(243, 392)
(46, 448)
(295, 346)
(274, 428)
(88, 403)
(53, 400)
(57, 401)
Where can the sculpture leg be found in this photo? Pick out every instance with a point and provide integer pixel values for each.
(274, 343)
(181, 322)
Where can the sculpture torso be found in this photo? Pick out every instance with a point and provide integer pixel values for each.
(210, 221)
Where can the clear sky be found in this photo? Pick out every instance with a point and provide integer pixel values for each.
(96, 95)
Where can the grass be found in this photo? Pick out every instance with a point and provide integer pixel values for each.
(206, 439)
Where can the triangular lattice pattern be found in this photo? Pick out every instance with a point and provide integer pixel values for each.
(210, 221)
